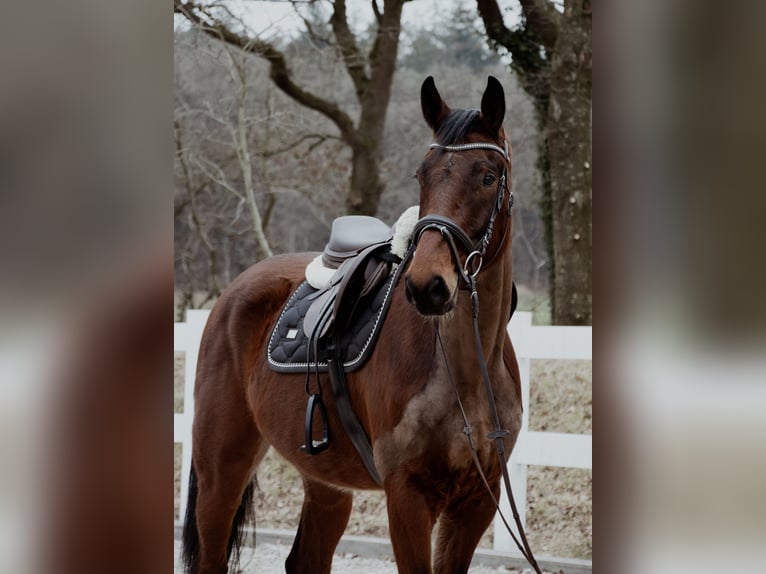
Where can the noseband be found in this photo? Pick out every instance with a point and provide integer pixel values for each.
(452, 232)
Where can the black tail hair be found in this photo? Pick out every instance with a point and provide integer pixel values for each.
(190, 537)
(245, 515)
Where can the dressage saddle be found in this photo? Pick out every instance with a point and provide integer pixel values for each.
(356, 251)
(330, 323)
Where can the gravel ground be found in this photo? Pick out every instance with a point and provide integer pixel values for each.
(270, 559)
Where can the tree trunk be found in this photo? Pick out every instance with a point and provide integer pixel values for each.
(553, 59)
(568, 137)
(366, 187)
(374, 96)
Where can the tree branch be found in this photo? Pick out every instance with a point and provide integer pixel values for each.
(353, 59)
(378, 15)
(196, 222)
(543, 19)
(320, 40)
(493, 22)
(382, 56)
(279, 71)
(321, 138)
(523, 44)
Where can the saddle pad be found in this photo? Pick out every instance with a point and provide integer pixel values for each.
(288, 345)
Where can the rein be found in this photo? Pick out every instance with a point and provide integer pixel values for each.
(498, 433)
(451, 231)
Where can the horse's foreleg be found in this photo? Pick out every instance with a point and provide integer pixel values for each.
(323, 519)
(411, 518)
(461, 527)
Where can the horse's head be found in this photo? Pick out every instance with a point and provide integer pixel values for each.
(464, 198)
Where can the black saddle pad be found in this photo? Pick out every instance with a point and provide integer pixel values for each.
(288, 350)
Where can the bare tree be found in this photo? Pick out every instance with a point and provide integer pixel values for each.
(202, 167)
(197, 223)
(371, 73)
(552, 56)
(241, 147)
(300, 167)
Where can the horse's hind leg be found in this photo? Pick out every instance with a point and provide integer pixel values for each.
(461, 527)
(323, 519)
(227, 448)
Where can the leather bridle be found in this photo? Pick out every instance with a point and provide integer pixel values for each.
(453, 233)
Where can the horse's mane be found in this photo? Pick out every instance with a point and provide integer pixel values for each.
(457, 125)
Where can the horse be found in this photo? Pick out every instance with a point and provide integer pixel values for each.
(409, 394)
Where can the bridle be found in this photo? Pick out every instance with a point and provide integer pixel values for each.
(453, 233)
(468, 271)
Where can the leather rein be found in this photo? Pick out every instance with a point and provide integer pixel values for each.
(468, 272)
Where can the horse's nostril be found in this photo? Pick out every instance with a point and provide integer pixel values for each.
(431, 298)
(438, 290)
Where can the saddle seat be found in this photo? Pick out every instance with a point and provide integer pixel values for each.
(351, 267)
(351, 234)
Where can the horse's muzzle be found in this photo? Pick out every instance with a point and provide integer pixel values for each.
(431, 298)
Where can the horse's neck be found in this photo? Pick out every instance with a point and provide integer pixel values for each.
(494, 287)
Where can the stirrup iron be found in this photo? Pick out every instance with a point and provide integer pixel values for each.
(312, 446)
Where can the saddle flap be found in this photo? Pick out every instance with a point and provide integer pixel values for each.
(354, 281)
(316, 320)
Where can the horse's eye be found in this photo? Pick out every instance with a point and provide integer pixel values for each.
(489, 179)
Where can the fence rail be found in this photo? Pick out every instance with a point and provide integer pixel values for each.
(541, 448)
(532, 448)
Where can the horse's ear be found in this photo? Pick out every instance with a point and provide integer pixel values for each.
(493, 106)
(434, 108)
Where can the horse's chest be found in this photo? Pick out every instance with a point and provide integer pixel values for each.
(431, 433)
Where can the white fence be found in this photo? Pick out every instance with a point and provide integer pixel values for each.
(538, 448)
(541, 448)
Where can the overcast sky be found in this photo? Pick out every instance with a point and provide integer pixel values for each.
(272, 19)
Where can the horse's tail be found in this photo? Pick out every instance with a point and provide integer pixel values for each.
(190, 538)
(245, 514)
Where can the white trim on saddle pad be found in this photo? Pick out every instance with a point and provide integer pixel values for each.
(319, 276)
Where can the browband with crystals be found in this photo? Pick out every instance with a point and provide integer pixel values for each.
(477, 145)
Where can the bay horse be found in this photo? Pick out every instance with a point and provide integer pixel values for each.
(409, 394)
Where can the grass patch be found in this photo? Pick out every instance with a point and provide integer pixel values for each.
(560, 396)
(560, 511)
